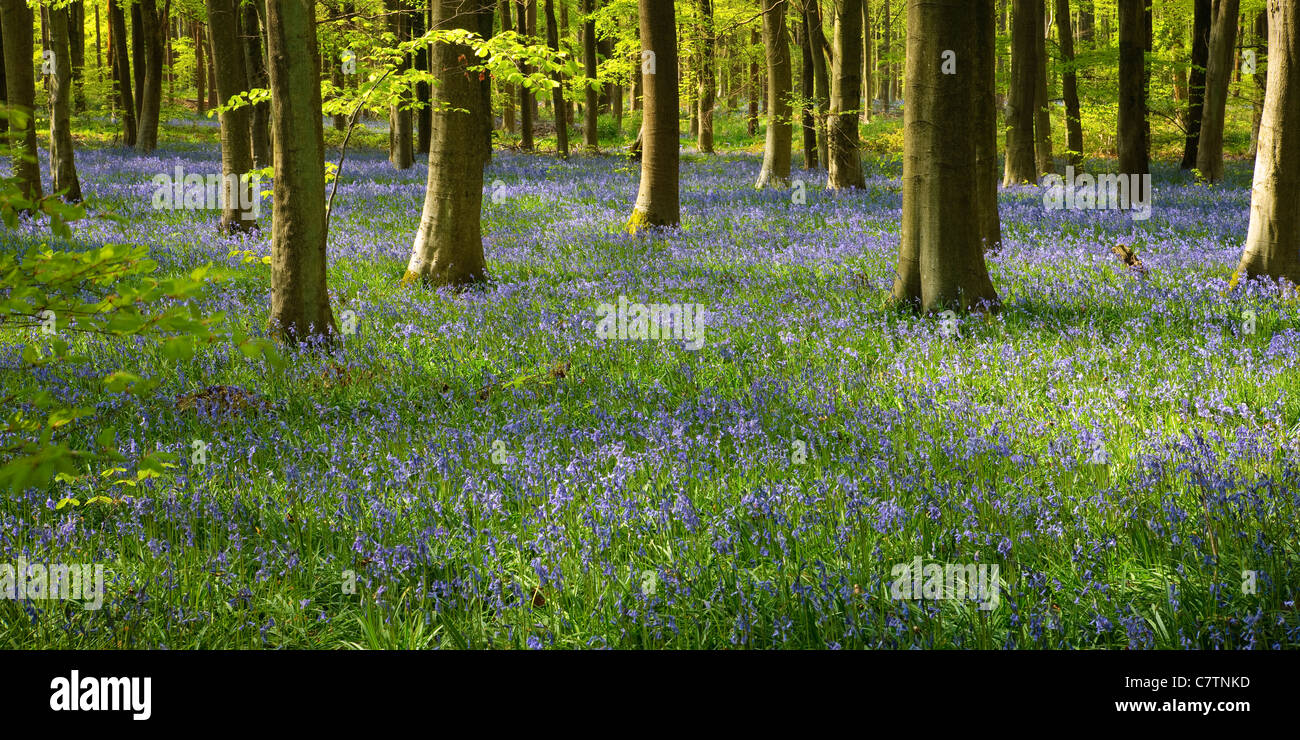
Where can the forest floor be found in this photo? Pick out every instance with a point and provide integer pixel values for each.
(485, 470)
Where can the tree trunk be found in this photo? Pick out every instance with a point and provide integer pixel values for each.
(63, 167)
(486, 23)
(985, 124)
(657, 201)
(237, 206)
(1273, 241)
(122, 71)
(448, 246)
(77, 51)
(401, 134)
(591, 109)
(507, 90)
(1261, 79)
(525, 96)
(253, 14)
(151, 102)
(808, 90)
(845, 169)
(821, 77)
(1021, 164)
(1218, 73)
(708, 80)
(557, 92)
(941, 259)
(16, 20)
(300, 304)
(200, 71)
(1042, 106)
(1070, 86)
(886, 77)
(754, 87)
(422, 114)
(1131, 133)
(138, 54)
(867, 66)
(776, 47)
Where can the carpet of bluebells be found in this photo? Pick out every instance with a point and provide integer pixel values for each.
(481, 470)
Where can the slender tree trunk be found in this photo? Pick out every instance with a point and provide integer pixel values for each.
(1042, 106)
(821, 78)
(253, 12)
(486, 24)
(4, 120)
(200, 70)
(886, 76)
(941, 258)
(448, 246)
(1131, 133)
(1021, 164)
(1070, 86)
(1261, 79)
(985, 124)
(657, 197)
(77, 50)
(300, 304)
(867, 65)
(525, 96)
(754, 88)
(63, 166)
(138, 53)
(16, 20)
(557, 93)
(845, 170)
(236, 146)
(151, 103)
(1218, 73)
(422, 92)
(808, 89)
(1273, 241)
(708, 81)
(776, 45)
(507, 90)
(591, 111)
(122, 71)
(400, 125)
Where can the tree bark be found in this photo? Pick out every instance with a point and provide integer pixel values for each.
(1273, 240)
(1070, 86)
(525, 96)
(300, 304)
(1218, 74)
(254, 12)
(776, 47)
(422, 114)
(401, 133)
(591, 109)
(1021, 164)
(236, 145)
(821, 77)
(845, 169)
(151, 100)
(984, 72)
(448, 247)
(122, 71)
(557, 92)
(16, 20)
(1042, 106)
(708, 80)
(1134, 157)
(657, 200)
(507, 90)
(755, 86)
(63, 167)
(941, 260)
(1261, 79)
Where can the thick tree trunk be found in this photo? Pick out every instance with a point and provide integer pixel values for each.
(708, 81)
(941, 258)
(16, 21)
(255, 63)
(448, 246)
(657, 199)
(557, 93)
(1042, 106)
(591, 109)
(300, 304)
(1273, 241)
(776, 47)
(845, 169)
(236, 146)
(1070, 86)
(1132, 132)
(1021, 165)
(151, 102)
(122, 71)
(525, 96)
(63, 167)
(1218, 73)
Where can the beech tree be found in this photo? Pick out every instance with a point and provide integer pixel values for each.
(776, 48)
(707, 80)
(149, 104)
(1069, 85)
(557, 92)
(236, 140)
(1202, 12)
(1132, 129)
(16, 21)
(448, 247)
(1021, 165)
(1218, 74)
(63, 167)
(1273, 240)
(657, 198)
(300, 305)
(591, 109)
(941, 258)
(122, 71)
(844, 169)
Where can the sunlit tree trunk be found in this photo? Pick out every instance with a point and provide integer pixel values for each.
(1202, 13)
(63, 166)
(122, 71)
(151, 96)
(941, 258)
(255, 64)
(300, 304)
(236, 144)
(1042, 106)
(1218, 75)
(1070, 85)
(845, 163)
(657, 199)
(708, 81)
(591, 110)
(448, 246)
(776, 47)
(1021, 165)
(16, 21)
